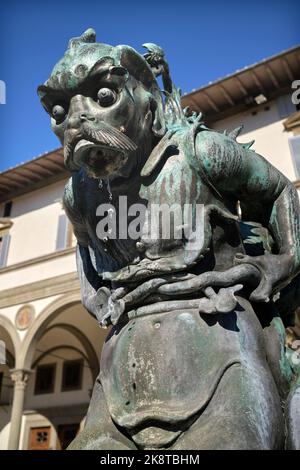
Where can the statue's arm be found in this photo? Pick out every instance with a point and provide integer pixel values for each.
(265, 195)
(90, 282)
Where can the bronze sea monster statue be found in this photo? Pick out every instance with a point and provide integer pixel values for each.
(195, 357)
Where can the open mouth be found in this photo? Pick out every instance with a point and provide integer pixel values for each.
(99, 160)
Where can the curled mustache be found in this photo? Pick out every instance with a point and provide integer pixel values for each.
(104, 134)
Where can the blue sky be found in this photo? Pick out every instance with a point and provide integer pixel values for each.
(203, 40)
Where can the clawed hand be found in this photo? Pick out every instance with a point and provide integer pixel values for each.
(222, 302)
(111, 305)
(245, 273)
(274, 272)
(109, 310)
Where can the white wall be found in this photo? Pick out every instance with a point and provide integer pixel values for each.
(35, 223)
(33, 234)
(4, 427)
(38, 272)
(266, 128)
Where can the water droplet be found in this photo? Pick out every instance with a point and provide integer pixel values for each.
(108, 189)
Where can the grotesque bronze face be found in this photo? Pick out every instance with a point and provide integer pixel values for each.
(105, 107)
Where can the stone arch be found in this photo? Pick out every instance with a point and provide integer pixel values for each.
(11, 331)
(38, 327)
(50, 351)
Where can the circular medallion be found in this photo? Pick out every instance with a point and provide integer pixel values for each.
(24, 317)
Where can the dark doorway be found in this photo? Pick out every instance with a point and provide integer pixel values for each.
(66, 433)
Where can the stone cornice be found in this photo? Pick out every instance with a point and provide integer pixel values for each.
(292, 122)
(37, 260)
(5, 223)
(40, 289)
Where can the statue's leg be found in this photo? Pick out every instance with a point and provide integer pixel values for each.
(242, 415)
(100, 432)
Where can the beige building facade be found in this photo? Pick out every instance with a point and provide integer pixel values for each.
(49, 345)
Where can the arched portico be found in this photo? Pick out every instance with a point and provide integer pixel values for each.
(92, 358)
(55, 321)
(11, 349)
(39, 326)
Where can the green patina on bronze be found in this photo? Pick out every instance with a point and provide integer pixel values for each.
(188, 363)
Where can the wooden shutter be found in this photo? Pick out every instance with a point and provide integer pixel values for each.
(294, 143)
(62, 232)
(285, 106)
(4, 246)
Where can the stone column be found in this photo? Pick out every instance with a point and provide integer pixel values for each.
(20, 379)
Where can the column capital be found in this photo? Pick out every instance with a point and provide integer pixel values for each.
(20, 377)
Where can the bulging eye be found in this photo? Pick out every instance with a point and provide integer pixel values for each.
(59, 113)
(106, 97)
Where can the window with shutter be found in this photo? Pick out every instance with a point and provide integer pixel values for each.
(72, 375)
(62, 232)
(285, 106)
(45, 379)
(4, 246)
(294, 143)
(7, 209)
